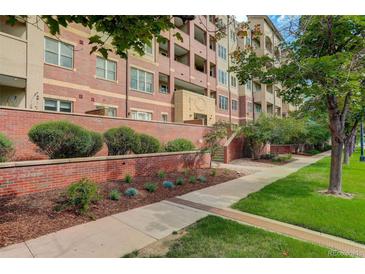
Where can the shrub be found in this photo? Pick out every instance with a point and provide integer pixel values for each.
(213, 172)
(283, 158)
(202, 179)
(81, 194)
(179, 145)
(267, 156)
(161, 174)
(312, 151)
(6, 147)
(114, 195)
(150, 187)
(121, 140)
(148, 144)
(186, 172)
(128, 179)
(168, 184)
(192, 179)
(131, 192)
(62, 139)
(180, 181)
(97, 142)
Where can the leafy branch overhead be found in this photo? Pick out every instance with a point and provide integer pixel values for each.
(113, 33)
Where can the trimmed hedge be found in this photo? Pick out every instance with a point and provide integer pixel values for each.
(179, 144)
(148, 144)
(6, 147)
(62, 139)
(121, 140)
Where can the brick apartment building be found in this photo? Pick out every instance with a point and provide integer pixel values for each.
(178, 81)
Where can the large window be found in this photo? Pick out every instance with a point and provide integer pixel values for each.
(141, 80)
(222, 77)
(222, 52)
(106, 69)
(57, 105)
(234, 105)
(249, 85)
(233, 81)
(223, 102)
(141, 115)
(58, 53)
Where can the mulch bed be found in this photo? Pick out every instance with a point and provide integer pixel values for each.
(31, 216)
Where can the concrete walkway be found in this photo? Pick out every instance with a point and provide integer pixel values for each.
(122, 233)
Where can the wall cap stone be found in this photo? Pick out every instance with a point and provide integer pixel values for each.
(93, 159)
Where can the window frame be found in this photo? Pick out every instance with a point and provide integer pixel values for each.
(222, 52)
(234, 103)
(223, 104)
(224, 75)
(59, 53)
(138, 112)
(106, 61)
(58, 105)
(137, 88)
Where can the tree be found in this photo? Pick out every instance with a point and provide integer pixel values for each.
(326, 61)
(123, 32)
(258, 134)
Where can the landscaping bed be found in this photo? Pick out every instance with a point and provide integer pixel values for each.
(31, 216)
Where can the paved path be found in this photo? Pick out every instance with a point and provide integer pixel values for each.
(125, 232)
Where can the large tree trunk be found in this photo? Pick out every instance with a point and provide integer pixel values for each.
(346, 153)
(335, 186)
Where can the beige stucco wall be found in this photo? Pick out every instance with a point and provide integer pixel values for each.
(187, 103)
(21, 56)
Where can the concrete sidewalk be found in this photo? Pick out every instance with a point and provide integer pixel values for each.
(122, 233)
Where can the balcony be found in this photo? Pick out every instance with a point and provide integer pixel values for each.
(195, 108)
(13, 55)
(12, 91)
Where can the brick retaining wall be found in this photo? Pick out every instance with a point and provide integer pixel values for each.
(15, 124)
(20, 178)
(282, 149)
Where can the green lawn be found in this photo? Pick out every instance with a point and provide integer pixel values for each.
(215, 237)
(295, 199)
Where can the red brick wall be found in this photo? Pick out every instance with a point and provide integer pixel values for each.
(234, 150)
(27, 177)
(282, 149)
(15, 124)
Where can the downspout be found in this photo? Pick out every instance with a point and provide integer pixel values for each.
(252, 93)
(229, 76)
(126, 86)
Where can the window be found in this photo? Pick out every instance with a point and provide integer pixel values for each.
(164, 117)
(222, 77)
(257, 108)
(141, 115)
(249, 107)
(141, 80)
(233, 36)
(222, 52)
(249, 85)
(148, 49)
(212, 70)
(233, 81)
(223, 102)
(109, 111)
(106, 69)
(57, 105)
(164, 88)
(248, 41)
(234, 105)
(58, 53)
